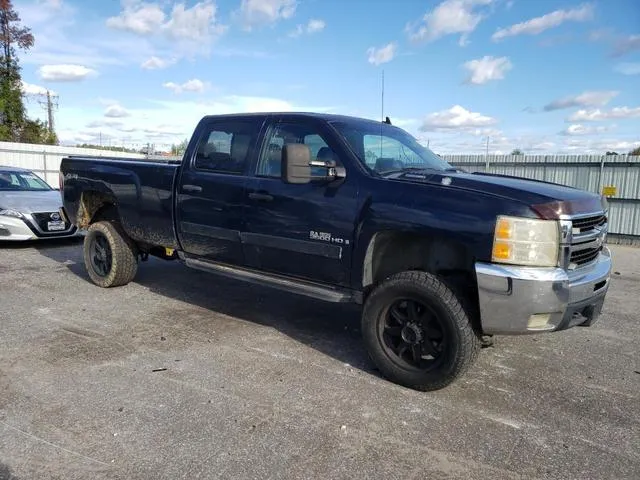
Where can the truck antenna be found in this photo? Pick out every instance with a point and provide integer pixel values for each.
(381, 111)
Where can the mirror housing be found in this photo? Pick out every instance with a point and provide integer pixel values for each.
(296, 163)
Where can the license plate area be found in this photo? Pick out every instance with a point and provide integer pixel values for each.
(56, 226)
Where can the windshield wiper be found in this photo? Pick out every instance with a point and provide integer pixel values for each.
(410, 169)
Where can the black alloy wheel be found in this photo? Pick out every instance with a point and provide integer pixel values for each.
(100, 254)
(417, 332)
(412, 334)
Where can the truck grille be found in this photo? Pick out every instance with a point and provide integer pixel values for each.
(588, 234)
(581, 257)
(584, 225)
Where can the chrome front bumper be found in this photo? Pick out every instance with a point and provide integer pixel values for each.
(516, 300)
(16, 229)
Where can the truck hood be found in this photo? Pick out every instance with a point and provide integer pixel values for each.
(31, 202)
(554, 199)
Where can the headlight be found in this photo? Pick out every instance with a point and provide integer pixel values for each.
(10, 213)
(525, 241)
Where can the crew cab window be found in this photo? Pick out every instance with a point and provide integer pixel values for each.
(226, 147)
(270, 163)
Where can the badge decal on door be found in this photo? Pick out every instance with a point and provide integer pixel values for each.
(327, 237)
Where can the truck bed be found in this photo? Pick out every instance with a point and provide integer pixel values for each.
(141, 189)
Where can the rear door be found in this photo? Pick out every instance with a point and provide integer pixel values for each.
(307, 230)
(211, 195)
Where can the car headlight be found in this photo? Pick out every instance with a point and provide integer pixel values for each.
(10, 213)
(526, 241)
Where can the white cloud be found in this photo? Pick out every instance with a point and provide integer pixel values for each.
(104, 123)
(54, 4)
(626, 45)
(618, 145)
(193, 85)
(155, 63)
(598, 115)
(65, 73)
(197, 23)
(116, 111)
(456, 118)
(138, 17)
(487, 68)
(256, 13)
(628, 68)
(378, 56)
(314, 26)
(599, 34)
(449, 18)
(551, 20)
(585, 99)
(31, 89)
(577, 129)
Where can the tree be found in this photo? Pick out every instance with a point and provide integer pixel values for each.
(12, 35)
(517, 151)
(611, 153)
(35, 131)
(180, 147)
(635, 151)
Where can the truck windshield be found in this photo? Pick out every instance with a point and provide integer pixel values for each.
(383, 148)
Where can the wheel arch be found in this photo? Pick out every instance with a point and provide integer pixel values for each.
(96, 206)
(391, 252)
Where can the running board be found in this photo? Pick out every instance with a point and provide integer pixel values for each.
(299, 287)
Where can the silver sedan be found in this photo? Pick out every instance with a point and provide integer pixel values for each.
(29, 208)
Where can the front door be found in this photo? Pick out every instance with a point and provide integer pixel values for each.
(306, 231)
(211, 190)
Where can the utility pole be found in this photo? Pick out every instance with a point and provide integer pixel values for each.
(49, 104)
(486, 167)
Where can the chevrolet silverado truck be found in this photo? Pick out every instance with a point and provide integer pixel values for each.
(345, 209)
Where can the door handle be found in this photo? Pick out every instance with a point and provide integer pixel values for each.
(192, 188)
(264, 197)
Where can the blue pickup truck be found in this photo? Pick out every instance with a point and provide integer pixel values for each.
(345, 209)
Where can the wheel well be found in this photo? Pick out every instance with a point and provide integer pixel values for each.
(95, 206)
(389, 253)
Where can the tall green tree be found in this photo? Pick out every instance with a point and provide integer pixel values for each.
(12, 36)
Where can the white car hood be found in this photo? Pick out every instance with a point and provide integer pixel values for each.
(31, 202)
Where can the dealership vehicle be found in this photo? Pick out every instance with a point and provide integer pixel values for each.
(345, 209)
(30, 208)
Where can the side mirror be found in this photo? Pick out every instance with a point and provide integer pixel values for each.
(296, 163)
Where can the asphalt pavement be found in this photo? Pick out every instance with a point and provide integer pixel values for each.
(183, 374)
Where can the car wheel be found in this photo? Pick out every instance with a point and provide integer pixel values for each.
(417, 332)
(110, 257)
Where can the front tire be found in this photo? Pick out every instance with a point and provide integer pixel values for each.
(417, 332)
(110, 257)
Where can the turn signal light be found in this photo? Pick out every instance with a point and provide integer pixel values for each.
(503, 229)
(501, 251)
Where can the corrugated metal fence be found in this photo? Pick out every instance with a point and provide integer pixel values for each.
(616, 175)
(589, 172)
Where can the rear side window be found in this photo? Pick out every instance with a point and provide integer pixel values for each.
(226, 147)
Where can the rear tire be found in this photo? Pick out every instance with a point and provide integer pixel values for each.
(110, 256)
(417, 333)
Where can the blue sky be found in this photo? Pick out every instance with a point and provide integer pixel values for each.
(545, 76)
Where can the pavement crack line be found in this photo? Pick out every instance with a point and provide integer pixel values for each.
(42, 440)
